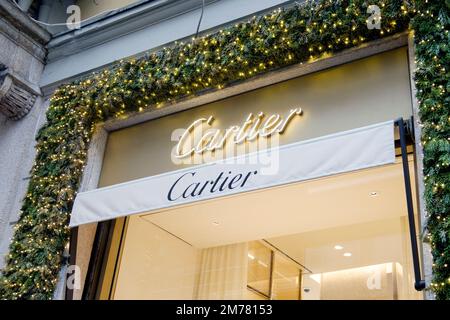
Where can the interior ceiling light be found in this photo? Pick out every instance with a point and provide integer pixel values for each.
(347, 254)
(338, 247)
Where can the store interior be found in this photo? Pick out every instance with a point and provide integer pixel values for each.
(339, 237)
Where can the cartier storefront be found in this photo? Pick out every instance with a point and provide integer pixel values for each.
(300, 189)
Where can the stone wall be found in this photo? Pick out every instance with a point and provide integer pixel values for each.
(22, 109)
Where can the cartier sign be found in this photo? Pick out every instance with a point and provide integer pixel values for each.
(252, 128)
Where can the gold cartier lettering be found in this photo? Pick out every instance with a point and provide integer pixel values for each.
(253, 127)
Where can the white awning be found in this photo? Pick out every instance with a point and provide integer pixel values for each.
(328, 155)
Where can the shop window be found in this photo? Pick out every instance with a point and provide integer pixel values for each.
(341, 237)
(260, 269)
(286, 278)
(271, 275)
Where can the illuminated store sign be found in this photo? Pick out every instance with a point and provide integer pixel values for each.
(254, 127)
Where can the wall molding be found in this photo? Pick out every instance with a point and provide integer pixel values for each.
(23, 31)
(136, 30)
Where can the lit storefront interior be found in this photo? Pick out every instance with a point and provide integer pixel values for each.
(341, 236)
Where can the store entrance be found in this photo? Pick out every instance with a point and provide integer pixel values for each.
(339, 237)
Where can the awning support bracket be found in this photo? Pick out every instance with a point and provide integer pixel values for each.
(419, 283)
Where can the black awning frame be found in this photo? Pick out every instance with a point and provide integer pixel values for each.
(406, 128)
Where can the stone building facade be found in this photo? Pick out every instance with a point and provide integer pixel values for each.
(23, 54)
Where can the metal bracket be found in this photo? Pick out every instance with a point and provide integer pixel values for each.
(404, 129)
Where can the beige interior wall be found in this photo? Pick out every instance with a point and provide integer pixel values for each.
(155, 265)
(386, 238)
(357, 94)
(311, 284)
(394, 268)
(91, 8)
(351, 284)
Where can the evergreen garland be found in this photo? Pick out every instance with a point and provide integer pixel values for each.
(284, 37)
(431, 27)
